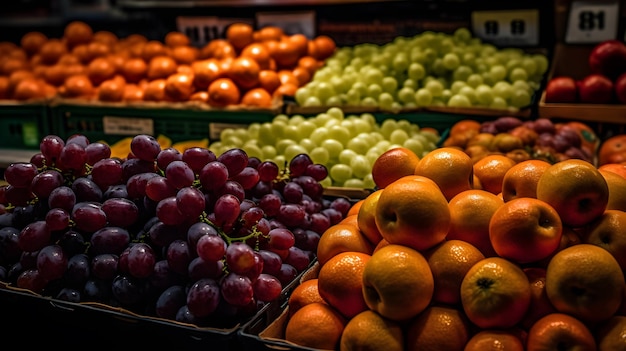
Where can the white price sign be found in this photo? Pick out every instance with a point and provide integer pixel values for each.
(202, 30)
(592, 21)
(507, 27)
(127, 125)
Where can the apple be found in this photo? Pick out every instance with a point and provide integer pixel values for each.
(613, 150)
(595, 89)
(620, 88)
(608, 58)
(561, 90)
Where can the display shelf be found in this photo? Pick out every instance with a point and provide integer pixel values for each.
(237, 3)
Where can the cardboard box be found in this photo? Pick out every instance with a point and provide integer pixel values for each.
(572, 60)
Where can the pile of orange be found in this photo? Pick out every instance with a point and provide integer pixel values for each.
(462, 255)
(250, 67)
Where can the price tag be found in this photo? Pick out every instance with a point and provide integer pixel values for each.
(291, 22)
(202, 30)
(507, 28)
(127, 125)
(592, 21)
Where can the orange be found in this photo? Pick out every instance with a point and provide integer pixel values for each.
(206, 71)
(200, 96)
(99, 70)
(32, 42)
(494, 340)
(244, 71)
(350, 219)
(586, 282)
(218, 49)
(175, 38)
(316, 325)
(521, 180)
(257, 97)
(134, 69)
(382, 243)
(287, 77)
(576, 189)
(368, 330)
(525, 230)
(179, 86)
(392, 165)
(52, 50)
(322, 47)
(259, 53)
(77, 32)
(155, 90)
(77, 86)
(29, 88)
(619, 168)
(470, 213)
(223, 92)
(161, 66)
(240, 35)
(341, 237)
(302, 75)
(111, 90)
(412, 211)
(366, 217)
(4, 87)
(449, 262)
(309, 63)
(340, 282)
(540, 305)
(185, 55)
(106, 37)
(132, 92)
(285, 54)
(397, 282)
(612, 150)
(268, 33)
(301, 42)
(288, 89)
(491, 169)
(607, 232)
(304, 294)
(152, 49)
(438, 328)
(559, 331)
(268, 80)
(450, 168)
(617, 190)
(461, 132)
(495, 293)
(356, 207)
(610, 334)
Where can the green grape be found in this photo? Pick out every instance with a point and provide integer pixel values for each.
(373, 153)
(312, 101)
(340, 172)
(398, 136)
(280, 160)
(456, 86)
(266, 135)
(484, 95)
(410, 83)
(319, 155)
(451, 61)
(423, 97)
(461, 73)
(414, 145)
(374, 90)
(468, 59)
(416, 71)
(368, 138)
(373, 76)
(498, 103)
(339, 84)
(387, 127)
(474, 80)
(308, 144)
(360, 87)
(306, 127)
(357, 63)
(360, 166)
(435, 87)
(498, 72)
(459, 100)
(324, 90)
(282, 145)
(253, 150)
(470, 93)
(529, 65)
(520, 98)
(293, 131)
(319, 135)
(326, 182)
(385, 101)
(445, 95)
(302, 94)
(321, 119)
(269, 152)
(334, 147)
(438, 68)
(334, 101)
(389, 85)
(518, 73)
(541, 62)
(400, 62)
(368, 182)
(232, 141)
(462, 34)
(362, 126)
(354, 183)
(346, 155)
(383, 144)
(503, 89)
(369, 101)
(293, 150)
(339, 132)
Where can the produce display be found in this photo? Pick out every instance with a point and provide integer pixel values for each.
(605, 84)
(428, 69)
(191, 237)
(347, 144)
(432, 260)
(521, 140)
(249, 67)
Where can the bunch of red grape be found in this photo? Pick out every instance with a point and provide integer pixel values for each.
(191, 237)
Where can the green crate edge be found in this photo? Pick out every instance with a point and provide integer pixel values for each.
(15, 116)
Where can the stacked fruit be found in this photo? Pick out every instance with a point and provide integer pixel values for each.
(191, 237)
(525, 139)
(249, 67)
(605, 84)
(428, 69)
(529, 258)
(347, 145)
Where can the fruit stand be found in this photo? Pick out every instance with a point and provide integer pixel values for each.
(276, 176)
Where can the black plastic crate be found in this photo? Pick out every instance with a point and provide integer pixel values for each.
(23, 125)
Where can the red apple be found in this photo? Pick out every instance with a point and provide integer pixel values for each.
(595, 89)
(620, 88)
(608, 58)
(561, 90)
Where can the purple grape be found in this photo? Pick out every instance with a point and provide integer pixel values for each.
(51, 262)
(237, 289)
(145, 147)
(203, 297)
(20, 174)
(109, 240)
(234, 159)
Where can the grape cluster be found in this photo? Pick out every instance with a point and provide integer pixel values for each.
(188, 236)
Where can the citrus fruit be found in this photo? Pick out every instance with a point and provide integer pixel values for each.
(366, 217)
(438, 328)
(521, 180)
(494, 339)
(392, 165)
(610, 334)
(450, 168)
(490, 171)
(341, 237)
(560, 331)
(316, 325)
(368, 330)
(607, 232)
(304, 294)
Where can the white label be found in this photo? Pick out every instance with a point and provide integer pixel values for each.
(202, 30)
(510, 27)
(291, 22)
(592, 21)
(127, 125)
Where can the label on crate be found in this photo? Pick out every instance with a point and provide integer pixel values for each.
(291, 22)
(201, 30)
(30, 134)
(507, 27)
(127, 125)
(592, 21)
